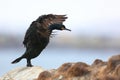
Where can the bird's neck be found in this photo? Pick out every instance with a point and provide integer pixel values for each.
(51, 28)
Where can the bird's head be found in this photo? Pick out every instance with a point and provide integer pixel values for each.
(58, 27)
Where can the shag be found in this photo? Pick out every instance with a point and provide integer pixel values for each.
(38, 34)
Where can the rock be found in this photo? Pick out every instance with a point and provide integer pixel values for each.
(23, 73)
(99, 70)
(98, 63)
(77, 70)
(46, 75)
(113, 62)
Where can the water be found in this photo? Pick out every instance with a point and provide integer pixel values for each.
(52, 58)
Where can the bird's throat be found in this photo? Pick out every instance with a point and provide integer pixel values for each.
(51, 28)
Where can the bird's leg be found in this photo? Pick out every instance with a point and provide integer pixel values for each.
(29, 63)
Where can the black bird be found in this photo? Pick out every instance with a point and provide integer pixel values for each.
(38, 35)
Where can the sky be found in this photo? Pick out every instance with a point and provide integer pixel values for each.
(84, 16)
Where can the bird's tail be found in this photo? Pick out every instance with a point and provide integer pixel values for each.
(17, 60)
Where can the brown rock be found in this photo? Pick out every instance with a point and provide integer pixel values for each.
(113, 62)
(45, 76)
(62, 71)
(108, 78)
(64, 67)
(78, 69)
(98, 63)
(117, 71)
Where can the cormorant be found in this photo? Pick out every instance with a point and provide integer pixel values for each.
(38, 34)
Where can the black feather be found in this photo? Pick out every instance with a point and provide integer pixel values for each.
(38, 34)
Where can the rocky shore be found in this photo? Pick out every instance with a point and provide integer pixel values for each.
(98, 70)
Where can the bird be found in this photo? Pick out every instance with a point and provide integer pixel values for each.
(38, 35)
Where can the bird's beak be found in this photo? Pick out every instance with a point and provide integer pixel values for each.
(67, 29)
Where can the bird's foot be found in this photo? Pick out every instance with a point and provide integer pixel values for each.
(29, 65)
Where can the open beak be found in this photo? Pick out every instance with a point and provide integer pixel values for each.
(67, 29)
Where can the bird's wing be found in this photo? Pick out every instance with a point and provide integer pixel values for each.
(47, 20)
(39, 28)
(33, 34)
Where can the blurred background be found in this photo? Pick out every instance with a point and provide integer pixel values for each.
(95, 26)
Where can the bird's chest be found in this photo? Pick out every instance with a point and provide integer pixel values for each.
(42, 38)
(43, 41)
